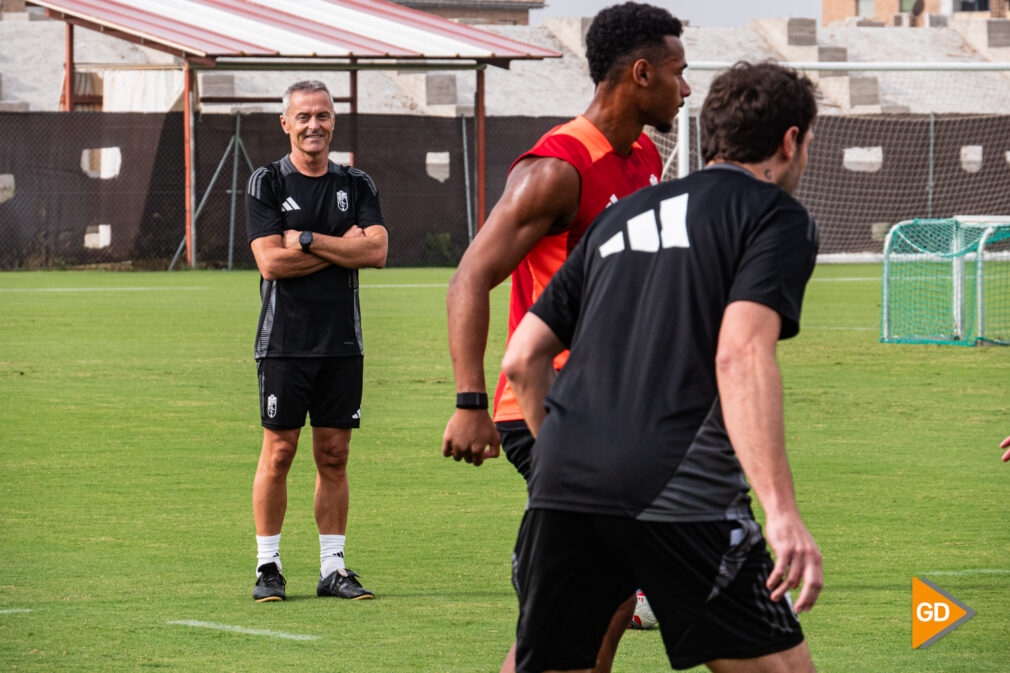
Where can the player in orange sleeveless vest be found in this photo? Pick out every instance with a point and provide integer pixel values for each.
(553, 193)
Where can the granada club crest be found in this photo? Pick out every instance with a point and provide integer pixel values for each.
(342, 200)
(271, 406)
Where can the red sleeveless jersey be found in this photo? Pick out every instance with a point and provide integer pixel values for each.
(606, 176)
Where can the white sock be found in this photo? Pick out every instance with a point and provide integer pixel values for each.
(268, 550)
(331, 554)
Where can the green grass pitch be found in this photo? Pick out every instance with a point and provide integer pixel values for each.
(130, 437)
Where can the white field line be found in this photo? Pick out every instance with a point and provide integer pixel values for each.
(977, 571)
(377, 285)
(395, 285)
(842, 329)
(408, 285)
(242, 629)
(13, 611)
(508, 284)
(842, 280)
(96, 289)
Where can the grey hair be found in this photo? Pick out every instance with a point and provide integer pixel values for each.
(307, 85)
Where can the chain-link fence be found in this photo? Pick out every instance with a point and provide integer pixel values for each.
(868, 172)
(89, 188)
(109, 188)
(892, 141)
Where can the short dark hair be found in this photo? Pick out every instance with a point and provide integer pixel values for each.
(624, 33)
(750, 107)
(308, 85)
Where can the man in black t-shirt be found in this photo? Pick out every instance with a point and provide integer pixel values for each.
(672, 306)
(312, 224)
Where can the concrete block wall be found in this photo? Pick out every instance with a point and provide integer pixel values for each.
(217, 85)
(998, 33)
(801, 32)
(11, 106)
(440, 89)
(989, 36)
(796, 39)
(883, 11)
(570, 32)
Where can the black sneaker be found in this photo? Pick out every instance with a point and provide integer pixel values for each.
(341, 583)
(269, 585)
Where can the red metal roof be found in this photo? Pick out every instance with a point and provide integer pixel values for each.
(370, 29)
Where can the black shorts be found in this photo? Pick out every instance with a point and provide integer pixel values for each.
(517, 443)
(705, 582)
(327, 389)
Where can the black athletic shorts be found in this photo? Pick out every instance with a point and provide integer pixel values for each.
(705, 582)
(516, 442)
(327, 389)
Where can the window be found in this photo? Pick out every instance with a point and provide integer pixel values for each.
(864, 9)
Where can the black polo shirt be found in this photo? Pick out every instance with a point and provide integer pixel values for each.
(317, 315)
(634, 427)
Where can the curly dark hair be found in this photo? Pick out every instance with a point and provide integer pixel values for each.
(623, 33)
(750, 107)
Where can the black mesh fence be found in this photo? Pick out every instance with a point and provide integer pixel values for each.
(868, 172)
(92, 188)
(57, 209)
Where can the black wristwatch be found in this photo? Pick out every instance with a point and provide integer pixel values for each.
(305, 238)
(471, 400)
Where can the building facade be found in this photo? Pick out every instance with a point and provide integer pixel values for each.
(885, 10)
(509, 12)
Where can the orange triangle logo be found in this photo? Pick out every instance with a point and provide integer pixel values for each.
(935, 613)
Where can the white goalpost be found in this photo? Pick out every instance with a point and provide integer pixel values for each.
(895, 141)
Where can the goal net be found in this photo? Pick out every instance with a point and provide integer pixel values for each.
(891, 142)
(947, 281)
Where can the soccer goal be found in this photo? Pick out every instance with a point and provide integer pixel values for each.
(947, 281)
(892, 140)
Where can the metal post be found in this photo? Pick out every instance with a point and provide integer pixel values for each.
(187, 132)
(683, 142)
(885, 302)
(234, 145)
(697, 141)
(234, 188)
(68, 75)
(980, 285)
(481, 154)
(466, 183)
(354, 113)
(932, 141)
(957, 245)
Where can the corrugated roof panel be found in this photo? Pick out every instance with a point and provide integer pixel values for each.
(241, 26)
(295, 28)
(496, 43)
(353, 42)
(153, 27)
(369, 23)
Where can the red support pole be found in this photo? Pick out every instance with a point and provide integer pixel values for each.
(187, 135)
(354, 113)
(68, 75)
(481, 155)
